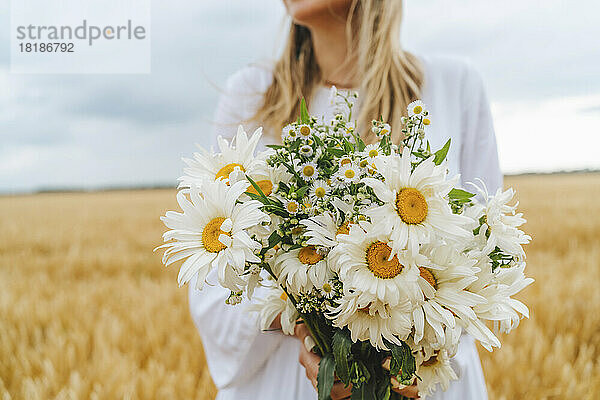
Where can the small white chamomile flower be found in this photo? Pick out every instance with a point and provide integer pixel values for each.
(304, 130)
(364, 163)
(344, 161)
(372, 151)
(319, 190)
(349, 173)
(385, 129)
(292, 207)
(415, 108)
(327, 290)
(308, 171)
(306, 150)
(289, 132)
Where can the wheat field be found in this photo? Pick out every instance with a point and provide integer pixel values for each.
(88, 312)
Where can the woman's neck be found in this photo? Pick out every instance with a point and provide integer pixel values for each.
(331, 47)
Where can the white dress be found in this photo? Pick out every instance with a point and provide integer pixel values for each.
(247, 364)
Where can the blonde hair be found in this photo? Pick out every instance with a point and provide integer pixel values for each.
(390, 77)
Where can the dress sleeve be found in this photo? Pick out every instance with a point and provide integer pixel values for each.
(479, 152)
(234, 345)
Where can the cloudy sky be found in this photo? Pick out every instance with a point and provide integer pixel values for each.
(540, 61)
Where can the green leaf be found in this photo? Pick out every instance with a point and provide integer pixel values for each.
(318, 141)
(366, 391)
(302, 191)
(460, 194)
(274, 240)
(258, 189)
(440, 155)
(258, 197)
(384, 388)
(403, 362)
(304, 117)
(342, 347)
(337, 152)
(275, 146)
(325, 376)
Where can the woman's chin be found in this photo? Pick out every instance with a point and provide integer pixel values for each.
(304, 12)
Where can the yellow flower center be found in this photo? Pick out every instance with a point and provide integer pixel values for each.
(292, 206)
(417, 109)
(320, 192)
(265, 185)
(373, 153)
(283, 296)
(378, 262)
(309, 256)
(426, 121)
(327, 287)
(363, 163)
(428, 276)
(344, 229)
(304, 130)
(349, 173)
(308, 170)
(228, 169)
(211, 233)
(411, 206)
(345, 161)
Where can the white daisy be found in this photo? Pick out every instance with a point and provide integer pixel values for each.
(385, 129)
(498, 288)
(327, 289)
(322, 230)
(414, 210)
(304, 130)
(417, 107)
(306, 150)
(289, 132)
(365, 263)
(293, 207)
(308, 171)
(237, 156)
(275, 303)
(349, 173)
(433, 371)
(319, 190)
(302, 269)
(502, 223)
(372, 321)
(364, 163)
(372, 151)
(444, 275)
(345, 160)
(212, 233)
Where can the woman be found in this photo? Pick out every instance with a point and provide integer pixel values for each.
(350, 44)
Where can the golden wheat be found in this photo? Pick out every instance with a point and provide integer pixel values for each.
(87, 310)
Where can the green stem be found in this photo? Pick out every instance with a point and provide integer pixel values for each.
(313, 328)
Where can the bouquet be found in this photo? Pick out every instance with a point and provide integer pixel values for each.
(372, 246)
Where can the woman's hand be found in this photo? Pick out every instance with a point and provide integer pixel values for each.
(310, 362)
